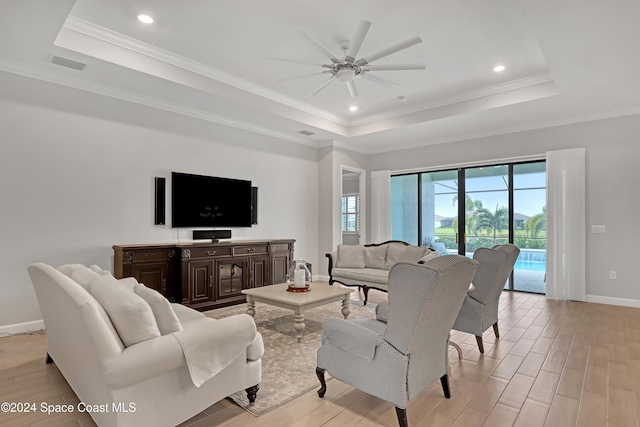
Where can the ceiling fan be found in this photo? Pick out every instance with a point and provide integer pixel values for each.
(348, 67)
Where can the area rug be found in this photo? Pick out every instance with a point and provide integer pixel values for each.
(288, 367)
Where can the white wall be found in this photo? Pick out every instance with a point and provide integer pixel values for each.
(330, 160)
(72, 185)
(612, 189)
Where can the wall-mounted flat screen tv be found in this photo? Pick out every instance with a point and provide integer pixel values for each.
(207, 201)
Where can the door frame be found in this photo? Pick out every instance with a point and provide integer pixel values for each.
(362, 189)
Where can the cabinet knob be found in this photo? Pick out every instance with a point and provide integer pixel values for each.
(252, 250)
(211, 253)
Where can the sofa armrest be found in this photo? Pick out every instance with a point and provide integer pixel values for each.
(333, 257)
(144, 360)
(351, 337)
(186, 314)
(159, 355)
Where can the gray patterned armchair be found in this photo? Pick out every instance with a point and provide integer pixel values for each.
(480, 308)
(398, 357)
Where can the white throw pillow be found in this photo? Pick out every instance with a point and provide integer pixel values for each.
(67, 268)
(99, 270)
(394, 254)
(375, 256)
(166, 318)
(429, 256)
(413, 253)
(350, 256)
(129, 282)
(79, 273)
(130, 314)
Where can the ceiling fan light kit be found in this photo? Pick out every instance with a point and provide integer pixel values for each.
(347, 68)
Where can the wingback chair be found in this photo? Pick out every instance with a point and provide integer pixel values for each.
(480, 308)
(397, 359)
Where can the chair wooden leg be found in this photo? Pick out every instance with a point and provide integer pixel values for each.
(323, 384)
(402, 417)
(48, 360)
(365, 289)
(495, 330)
(444, 380)
(252, 392)
(480, 344)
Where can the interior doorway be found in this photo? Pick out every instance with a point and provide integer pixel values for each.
(352, 205)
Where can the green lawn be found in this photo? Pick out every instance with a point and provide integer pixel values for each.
(451, 232)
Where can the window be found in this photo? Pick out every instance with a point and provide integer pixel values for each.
(351, 213)
(461, 210)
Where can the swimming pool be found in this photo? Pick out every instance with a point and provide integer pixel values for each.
(530, 265)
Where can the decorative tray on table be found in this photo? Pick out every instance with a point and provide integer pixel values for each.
(293, 288)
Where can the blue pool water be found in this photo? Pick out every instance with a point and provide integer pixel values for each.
(530, 265)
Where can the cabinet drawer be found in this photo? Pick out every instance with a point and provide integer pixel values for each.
(250, 250)
(158, 255)
(210, 252)
(280, 247)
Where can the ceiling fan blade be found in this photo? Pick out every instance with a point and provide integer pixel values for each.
(394, 67)
(388, 51)
(298, 62)
(318, 46)
(379, 80)
(357, 40)
(322, 86)
(352, 88)
(303, 76)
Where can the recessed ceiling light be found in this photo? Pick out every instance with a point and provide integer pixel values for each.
(498, 68)
(353, 108)
(145, 18)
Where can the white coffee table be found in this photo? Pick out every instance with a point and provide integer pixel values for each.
(321, 293)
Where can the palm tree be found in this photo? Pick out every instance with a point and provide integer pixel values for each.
(471, 208)
(496, 221)
(536, 223)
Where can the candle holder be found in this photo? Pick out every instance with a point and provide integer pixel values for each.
(299, 275)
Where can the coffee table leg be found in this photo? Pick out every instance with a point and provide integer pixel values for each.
(299, 324)
(345, 307)
(251, 307)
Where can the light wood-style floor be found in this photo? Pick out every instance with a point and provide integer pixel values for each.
(556, 364)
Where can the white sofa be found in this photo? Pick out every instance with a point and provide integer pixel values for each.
(367, 266)
(151, 379)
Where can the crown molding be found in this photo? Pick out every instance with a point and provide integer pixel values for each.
(514, 129)
(467, 96)
(100, 89)
(104, 34)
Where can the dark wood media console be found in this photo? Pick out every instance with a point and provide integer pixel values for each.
(205, 275)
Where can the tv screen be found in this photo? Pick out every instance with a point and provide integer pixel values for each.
(207, 201)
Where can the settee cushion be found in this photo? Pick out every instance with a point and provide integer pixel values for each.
(412, 254)
(161, 307)
(130, 314)
(394, 253)
(351, 256)
(361, 274)
(375, 256)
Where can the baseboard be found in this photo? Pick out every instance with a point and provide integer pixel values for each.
(625, 302)
(320, 278)
(21, 328)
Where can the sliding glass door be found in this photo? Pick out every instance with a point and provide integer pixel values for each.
(459, 211)
(530, 226)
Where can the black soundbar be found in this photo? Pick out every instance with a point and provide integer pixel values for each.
(211, 234)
